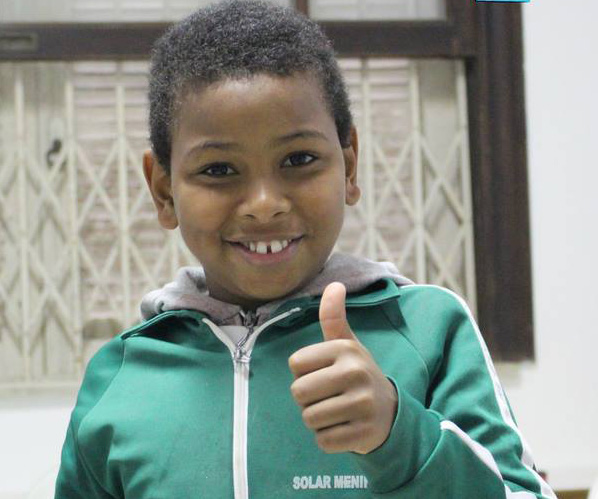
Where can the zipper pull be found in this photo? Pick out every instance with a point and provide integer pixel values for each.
(249, 321)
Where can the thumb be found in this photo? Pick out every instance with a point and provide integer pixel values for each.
(333, 317)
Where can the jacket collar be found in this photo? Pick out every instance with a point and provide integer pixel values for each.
(381, 291)
(367, 282)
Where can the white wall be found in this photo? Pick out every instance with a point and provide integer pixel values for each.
(556, 398)
(32, 429)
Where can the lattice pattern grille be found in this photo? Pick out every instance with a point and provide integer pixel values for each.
(79, 243)
(416, 210)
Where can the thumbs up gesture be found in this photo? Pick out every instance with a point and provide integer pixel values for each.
(344, 397)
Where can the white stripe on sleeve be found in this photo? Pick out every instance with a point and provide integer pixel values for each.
(485, 456)
(526, 457)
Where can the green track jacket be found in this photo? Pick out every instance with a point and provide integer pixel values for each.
(174, 408)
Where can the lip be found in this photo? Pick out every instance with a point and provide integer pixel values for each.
(269, 258)
(264, 238)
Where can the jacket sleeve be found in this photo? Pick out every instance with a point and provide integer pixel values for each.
(462, 442)
(76, 479)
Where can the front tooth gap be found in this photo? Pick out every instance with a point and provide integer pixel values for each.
(262, 247)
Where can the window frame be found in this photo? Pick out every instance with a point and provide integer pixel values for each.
(488, 37)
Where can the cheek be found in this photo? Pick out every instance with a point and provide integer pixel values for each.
(333, 191)
(325, 201)
(200, 210)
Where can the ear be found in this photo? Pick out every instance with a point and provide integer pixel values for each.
(350, 153)
(160, 186)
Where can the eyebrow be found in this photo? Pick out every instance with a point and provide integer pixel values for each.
(300, 134)
(227, 146)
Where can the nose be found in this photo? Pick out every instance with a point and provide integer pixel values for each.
(264, 200)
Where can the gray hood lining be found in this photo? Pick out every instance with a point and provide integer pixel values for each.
(189, 291)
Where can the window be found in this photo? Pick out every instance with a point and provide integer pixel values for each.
(432, 97)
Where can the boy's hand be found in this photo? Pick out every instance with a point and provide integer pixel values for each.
(345, 398)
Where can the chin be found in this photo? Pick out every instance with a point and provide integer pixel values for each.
(268, 295)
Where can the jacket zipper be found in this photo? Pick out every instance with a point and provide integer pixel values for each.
(241, 359)
(241, 356)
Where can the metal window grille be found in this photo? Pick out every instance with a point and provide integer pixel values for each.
(79, 242)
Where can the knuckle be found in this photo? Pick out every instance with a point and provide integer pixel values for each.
(358, 436)
(309, 418)
(294, 363)
(355, 373)
(298, 392)
(354, 346)
(366, 405)
(325, 442)
(349, 346)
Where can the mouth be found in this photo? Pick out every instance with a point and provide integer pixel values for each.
(270, 257)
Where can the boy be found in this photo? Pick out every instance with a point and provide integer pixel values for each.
(277, 369)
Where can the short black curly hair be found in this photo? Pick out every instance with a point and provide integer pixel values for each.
(238, 39)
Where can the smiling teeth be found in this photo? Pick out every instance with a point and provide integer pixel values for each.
(262, 247)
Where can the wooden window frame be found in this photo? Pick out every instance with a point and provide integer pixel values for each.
(488, 37)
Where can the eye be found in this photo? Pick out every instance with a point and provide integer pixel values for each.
(299, 159)
(217, 170)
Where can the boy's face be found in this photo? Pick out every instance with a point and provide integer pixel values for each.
(256, 159)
